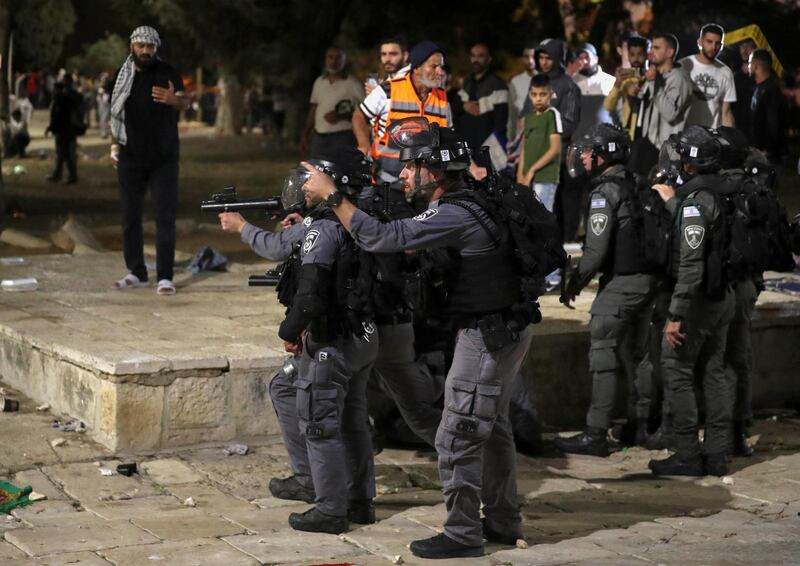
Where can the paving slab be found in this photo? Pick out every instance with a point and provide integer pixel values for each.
(170, 471)
(84, 482)
(135, 507)
(294, 546)
(264, 521)
(208, 497)
(66, 559)
(40, 483)
(9, 552)
(560, 553)
(389, 538)
(82, 532)
(34, 514)
(183, 553)
(186, 523)
(728, 552)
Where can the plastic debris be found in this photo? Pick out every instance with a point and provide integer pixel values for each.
(8, 405)
(73, 425)
(36, 496)
(727, 480)
(236, 449)
(12, 260)
(107, 472)
(25, 284)
(58, 442)
(127, 470)
(42, 408)
(521, 544)
(189, 502)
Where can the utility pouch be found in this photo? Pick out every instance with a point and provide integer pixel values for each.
(494, 331)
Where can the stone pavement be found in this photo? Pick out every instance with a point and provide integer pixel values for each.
(577, 510)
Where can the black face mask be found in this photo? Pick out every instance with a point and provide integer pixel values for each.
(144, 63)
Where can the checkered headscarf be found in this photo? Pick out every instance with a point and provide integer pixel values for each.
(122, 86)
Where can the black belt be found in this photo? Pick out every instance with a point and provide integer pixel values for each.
(394, 319)
(471, 322)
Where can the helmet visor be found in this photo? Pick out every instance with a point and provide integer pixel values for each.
(411, 132)
(576, 154)
(292, 195)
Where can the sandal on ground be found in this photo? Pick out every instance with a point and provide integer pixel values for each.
(130, 281)
(165, 287)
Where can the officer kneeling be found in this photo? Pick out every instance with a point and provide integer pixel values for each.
(621, 311)
(323, 409)
(700, 311)
(477, 460)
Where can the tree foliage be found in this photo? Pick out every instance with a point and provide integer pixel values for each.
(40, 27)
(103, 55)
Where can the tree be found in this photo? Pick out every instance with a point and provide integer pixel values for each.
(103, 55)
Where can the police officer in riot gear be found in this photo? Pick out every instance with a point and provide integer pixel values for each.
(699, 313)
(477, 460)
(322, 410)
(621, 311)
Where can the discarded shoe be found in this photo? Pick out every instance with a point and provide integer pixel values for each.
(592, 442)
(494, 536)
(291, 489)
(361, 512)
(315, 521)
(442, 546)
(678, 465)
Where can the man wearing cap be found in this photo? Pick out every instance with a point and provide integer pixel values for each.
(146, 98)
(419, 93)
(594, 84)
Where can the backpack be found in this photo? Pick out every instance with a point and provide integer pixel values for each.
(656, 226)
(535, 235)
(759, 229)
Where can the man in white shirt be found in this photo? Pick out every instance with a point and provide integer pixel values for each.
(595, 84)
(333, 98)
(714, 89)
(518, 88)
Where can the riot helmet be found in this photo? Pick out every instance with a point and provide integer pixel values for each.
(757, 165)
(346, 166)
(603, 140)
(734, 147)
(700, 147)
(439, 149)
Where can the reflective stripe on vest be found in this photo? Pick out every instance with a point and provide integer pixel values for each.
(404, 102)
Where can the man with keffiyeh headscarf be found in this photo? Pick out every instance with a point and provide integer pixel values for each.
(146, 98)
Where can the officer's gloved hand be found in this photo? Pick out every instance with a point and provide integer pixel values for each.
(570, 291)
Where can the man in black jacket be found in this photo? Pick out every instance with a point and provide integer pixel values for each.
(66, 125)
(767, 108)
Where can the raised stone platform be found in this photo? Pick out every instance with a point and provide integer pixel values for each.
(147, 372)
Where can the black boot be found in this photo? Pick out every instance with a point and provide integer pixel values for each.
(442, 546)
(314, 521)
(593, 442)
(740, 434)
(678, 465)
(290, 488)
(499, 538)
(717, 465)
(659, 440)
(361, 511)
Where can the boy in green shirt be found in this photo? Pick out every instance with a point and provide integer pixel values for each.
(541, 143)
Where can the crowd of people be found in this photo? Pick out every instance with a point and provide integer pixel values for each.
(450, 250)
(421, 230)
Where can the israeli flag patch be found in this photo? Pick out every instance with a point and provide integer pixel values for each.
(693, 151)
(427, 214)
(598, 203)
(612, 146)
(691, 212)
(445, 153)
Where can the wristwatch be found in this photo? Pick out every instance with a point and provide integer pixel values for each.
(334, 199)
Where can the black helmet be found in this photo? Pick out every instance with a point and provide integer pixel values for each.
(604, 140)
(734, 147)
(757, 165)
(701, 147)
(438, 148)
(346, 166)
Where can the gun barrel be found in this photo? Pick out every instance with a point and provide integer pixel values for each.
(262, 281)
(269, 204)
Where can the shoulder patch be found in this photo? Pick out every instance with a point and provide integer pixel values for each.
(598, 222)
(598, 203)
(427, 214)
(691, 212)
(694, 235)
(307, 221)
(310, 240)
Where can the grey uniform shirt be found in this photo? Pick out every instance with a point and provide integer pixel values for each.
(275, 246)
(606, 211)
(442, 225)
(695, 212)
(321, 242)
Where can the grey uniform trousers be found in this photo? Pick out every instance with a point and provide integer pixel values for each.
(739, 349)
(475, 445)
(326, 429)
(649, 370)
(409, 383)
(621, 314)
(702, 353)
